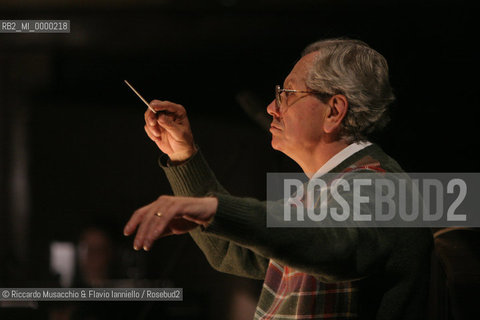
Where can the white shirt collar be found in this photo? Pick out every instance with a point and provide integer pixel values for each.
(340, 157)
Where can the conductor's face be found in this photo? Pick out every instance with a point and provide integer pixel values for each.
(297, 124)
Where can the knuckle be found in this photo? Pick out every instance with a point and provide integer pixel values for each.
(164, 198)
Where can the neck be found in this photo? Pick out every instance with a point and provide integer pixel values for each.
(312, 159)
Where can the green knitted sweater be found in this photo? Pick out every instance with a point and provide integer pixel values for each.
(370, 273)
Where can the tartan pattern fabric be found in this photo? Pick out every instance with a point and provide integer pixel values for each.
(291, 294)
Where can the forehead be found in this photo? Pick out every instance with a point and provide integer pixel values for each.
(300, 71)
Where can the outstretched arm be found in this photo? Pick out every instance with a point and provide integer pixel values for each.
(189, 175)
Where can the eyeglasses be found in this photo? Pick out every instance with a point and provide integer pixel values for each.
(278, 95)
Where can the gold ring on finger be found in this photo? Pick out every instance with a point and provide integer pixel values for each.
(159, 214)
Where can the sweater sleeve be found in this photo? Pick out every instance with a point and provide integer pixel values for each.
(330, 254)
(194, 178)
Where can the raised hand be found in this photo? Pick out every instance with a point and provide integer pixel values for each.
(170, 129)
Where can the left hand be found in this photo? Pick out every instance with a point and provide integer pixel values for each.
(169, 215)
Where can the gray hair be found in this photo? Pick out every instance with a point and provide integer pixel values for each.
(353, 69)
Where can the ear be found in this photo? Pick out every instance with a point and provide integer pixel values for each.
(338, 109)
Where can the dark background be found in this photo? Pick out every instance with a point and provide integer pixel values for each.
(73, 150)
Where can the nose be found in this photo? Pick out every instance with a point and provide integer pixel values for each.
(272, 109)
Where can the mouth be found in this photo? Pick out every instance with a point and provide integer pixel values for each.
(274, 127)
(274, 130)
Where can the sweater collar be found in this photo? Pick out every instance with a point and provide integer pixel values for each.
(340, 157)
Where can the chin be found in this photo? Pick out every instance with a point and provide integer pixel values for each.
(275, 144)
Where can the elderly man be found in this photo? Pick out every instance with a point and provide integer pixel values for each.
(336, 95)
